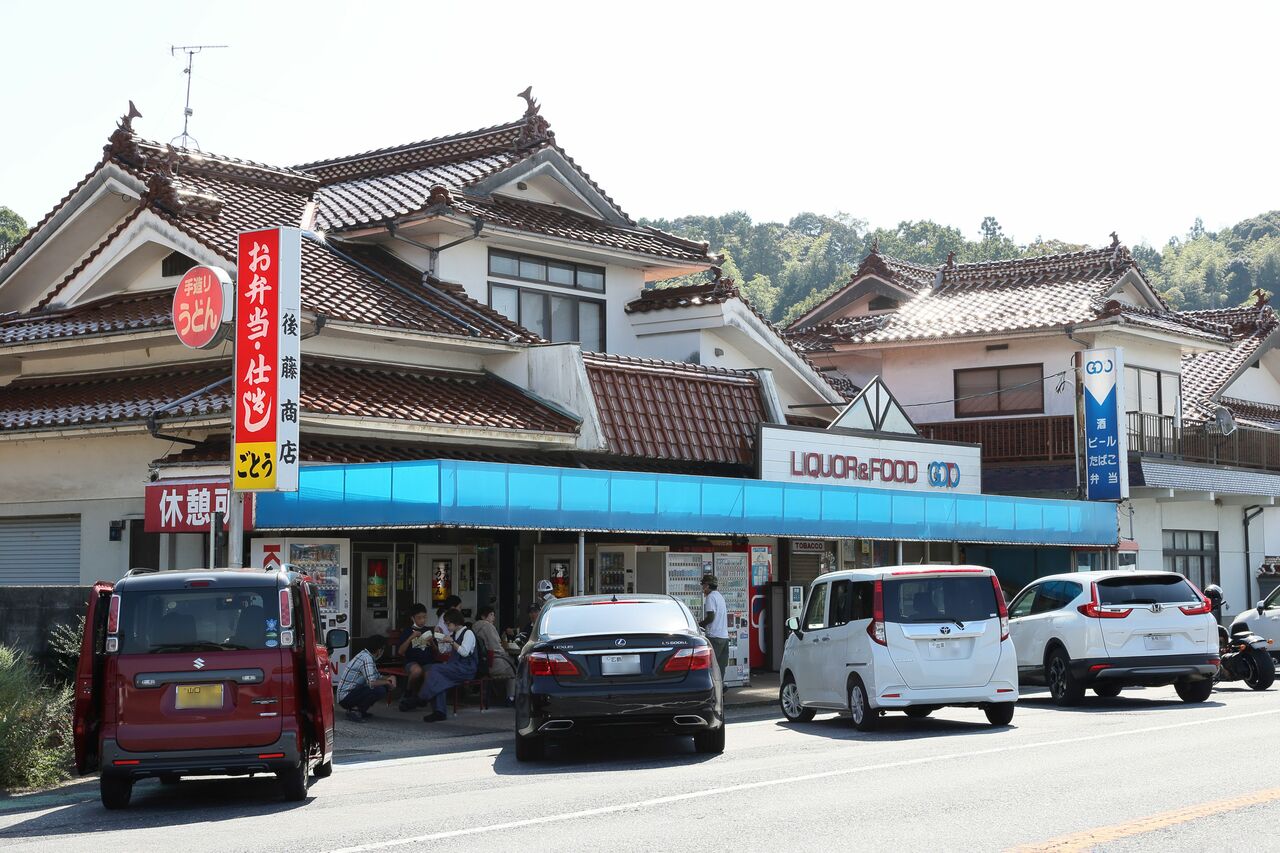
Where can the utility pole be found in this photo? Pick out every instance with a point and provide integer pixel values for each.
(190, 50)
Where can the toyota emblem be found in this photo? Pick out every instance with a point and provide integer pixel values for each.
(945, 630)
(619, 642)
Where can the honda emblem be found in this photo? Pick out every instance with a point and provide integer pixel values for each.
(619, 642)
(1156, 607)
(198, 663)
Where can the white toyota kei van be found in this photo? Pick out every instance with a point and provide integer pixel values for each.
(899, 638)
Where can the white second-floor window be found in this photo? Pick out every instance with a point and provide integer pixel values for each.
(540, 302)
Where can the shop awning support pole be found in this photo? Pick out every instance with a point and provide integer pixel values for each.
(582, 563)
(235, 530)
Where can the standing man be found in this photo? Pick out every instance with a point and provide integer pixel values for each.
(715, 620)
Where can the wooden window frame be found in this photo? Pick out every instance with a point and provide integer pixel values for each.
(998, 412)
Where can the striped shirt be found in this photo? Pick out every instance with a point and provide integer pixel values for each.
(362, 670)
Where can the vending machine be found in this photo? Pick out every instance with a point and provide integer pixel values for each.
(733, 571)
(615, 570)
(328, 563)
(761, 577)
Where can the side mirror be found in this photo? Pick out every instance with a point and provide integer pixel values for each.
(337, 638)
(1261, 608)
(793, 626)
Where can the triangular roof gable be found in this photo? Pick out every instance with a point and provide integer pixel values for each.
(880, 274)
(875, 409)
(551, 178)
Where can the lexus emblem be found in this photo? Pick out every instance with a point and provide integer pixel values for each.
(1156, 607)
(945, 630)
(619, 642)
(198, 663)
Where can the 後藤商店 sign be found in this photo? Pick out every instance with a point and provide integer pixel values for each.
(268, 363)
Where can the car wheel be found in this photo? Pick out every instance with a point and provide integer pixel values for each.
(1194, 691)
(1107, 691)
(710, 741)
(530, 748)
(865, 718)
(919, 712)
(1262, 671)
(1064, 687)
(169, 778)
(293, 781)
(999, 713)
(323, 771)
(115, 791)
(789, 700)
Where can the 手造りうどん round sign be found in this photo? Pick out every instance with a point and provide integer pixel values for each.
(202, 307)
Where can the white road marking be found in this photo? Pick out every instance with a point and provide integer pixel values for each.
(769, 783)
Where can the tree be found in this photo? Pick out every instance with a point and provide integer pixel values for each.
(12, 229)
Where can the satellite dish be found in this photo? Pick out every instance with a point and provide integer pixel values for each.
(1225, 422)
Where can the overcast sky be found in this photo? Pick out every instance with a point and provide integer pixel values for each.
(1065, 120)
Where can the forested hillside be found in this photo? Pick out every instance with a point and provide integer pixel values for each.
(785, 269)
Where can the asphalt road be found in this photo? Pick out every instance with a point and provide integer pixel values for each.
(1137, 773)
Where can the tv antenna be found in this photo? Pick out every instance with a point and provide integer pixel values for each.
(190, 50)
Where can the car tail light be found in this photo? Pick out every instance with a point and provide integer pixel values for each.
(1099, 667)
(553, 663)
(113, 615)
(1094, 610)
(271, 755)
(1197, 609)
(126, 762)
(876, 629)
(286, 609)
(1001, 608)
(688, 659)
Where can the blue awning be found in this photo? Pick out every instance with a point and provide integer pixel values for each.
(490, 495)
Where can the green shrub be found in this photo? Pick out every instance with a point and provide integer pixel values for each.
(35, 725)
(64, 651)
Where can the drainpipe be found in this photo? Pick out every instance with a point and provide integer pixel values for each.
(1250, 513)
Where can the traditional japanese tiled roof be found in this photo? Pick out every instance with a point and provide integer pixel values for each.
(1250, 413)
(1206, 376)
(441, 176)
(329, 387)
(1027, 294)
(120, 314)
(677, 411)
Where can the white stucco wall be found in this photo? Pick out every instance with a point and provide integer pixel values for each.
(1257, 384)
(1151, 519)
(927, 374)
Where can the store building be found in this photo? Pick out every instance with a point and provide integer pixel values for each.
(985, 353)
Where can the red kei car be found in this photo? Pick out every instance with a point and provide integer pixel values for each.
(198, 673)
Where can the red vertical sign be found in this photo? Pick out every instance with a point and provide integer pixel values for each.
(257, 321)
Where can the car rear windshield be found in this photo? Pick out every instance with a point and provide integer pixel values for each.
(615, 617)
(1145, 589)
(190, 620)
(967, 599)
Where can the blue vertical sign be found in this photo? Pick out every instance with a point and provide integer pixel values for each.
(1106, 458)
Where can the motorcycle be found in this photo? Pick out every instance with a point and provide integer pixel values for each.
(1245, 657)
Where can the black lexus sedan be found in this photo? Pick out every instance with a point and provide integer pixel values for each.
(614, 664)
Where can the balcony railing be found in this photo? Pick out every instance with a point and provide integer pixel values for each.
(1052, 438)
(1012, 440)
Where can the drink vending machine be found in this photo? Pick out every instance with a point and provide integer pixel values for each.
(328, 563)
(684, 582)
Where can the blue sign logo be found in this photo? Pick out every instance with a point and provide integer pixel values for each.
(1105, 454)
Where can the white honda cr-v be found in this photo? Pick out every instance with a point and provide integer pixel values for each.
(900, 639)
(1110, 630)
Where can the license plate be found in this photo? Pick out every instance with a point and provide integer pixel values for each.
(620, 664)
(1158, 642)
(198, 696)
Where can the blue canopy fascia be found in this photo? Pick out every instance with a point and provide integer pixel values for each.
(453, 493)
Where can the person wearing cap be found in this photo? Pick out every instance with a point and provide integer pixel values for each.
(715, 620)
(545, 590)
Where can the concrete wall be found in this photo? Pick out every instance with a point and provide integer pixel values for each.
(29, 613)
